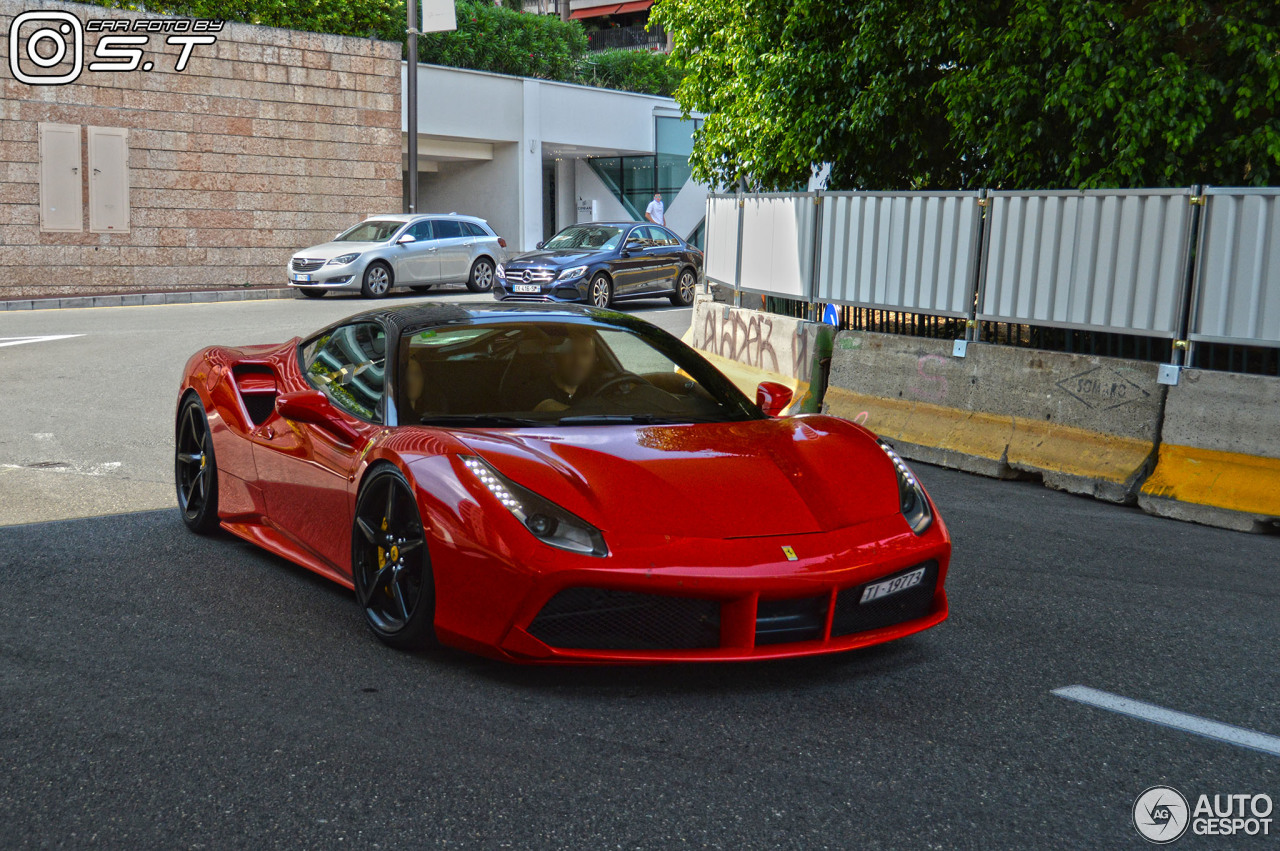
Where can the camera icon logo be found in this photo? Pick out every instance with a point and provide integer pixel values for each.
(47, 46)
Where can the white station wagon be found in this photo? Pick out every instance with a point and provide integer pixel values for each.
(415, 251)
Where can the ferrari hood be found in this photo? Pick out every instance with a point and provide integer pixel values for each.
(721, 480)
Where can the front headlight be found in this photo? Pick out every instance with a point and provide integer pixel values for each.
(571, 273)
(343, 259)
(911, 498)
(500, 271)
(545, 520)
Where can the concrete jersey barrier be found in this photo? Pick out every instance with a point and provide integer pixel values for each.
(750, 346)
(1086, 424)
(1219, 460)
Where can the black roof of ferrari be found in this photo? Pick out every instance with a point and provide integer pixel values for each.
(432, 313)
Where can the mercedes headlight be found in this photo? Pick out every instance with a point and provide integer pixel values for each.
(911, 497)
(571, 273)
(343, 259)
(500, 271)
(545, 520)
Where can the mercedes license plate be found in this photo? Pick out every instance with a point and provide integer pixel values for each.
(877, 590)
(527, 288)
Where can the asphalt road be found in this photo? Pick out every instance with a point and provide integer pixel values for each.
(160, 690)
(86, 420)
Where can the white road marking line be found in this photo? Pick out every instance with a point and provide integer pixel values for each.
(1193, 724)
(18, 341)
(106, 468)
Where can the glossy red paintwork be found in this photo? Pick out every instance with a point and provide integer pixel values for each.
(694, 510)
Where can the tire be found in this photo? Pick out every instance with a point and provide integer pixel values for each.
(195, 469)
(376, 282)
(312, 292)
(421, 288)
(600, 293)
(390, 565)
(686, 283)
(481, 278)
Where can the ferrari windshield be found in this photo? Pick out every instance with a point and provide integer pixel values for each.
(589, 237)
(373, 231)
(550, 373)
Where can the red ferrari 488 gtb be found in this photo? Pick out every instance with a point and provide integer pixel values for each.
(544, 483)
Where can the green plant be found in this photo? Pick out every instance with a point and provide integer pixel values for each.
(904, 94)
(631, 70)
(493, 38)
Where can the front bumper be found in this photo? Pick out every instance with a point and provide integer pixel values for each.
(743, 601)
(346, 276)
(564, 292)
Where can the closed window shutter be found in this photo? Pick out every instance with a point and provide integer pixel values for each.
(61, 201)
(108, 180)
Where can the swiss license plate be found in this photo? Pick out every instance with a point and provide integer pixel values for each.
(877, 590)
(527, 288)
(302, 278)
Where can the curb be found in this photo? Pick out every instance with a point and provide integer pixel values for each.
(138, 299)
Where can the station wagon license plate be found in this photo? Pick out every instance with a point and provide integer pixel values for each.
(879, 590)
(526, 288)
(302, 278)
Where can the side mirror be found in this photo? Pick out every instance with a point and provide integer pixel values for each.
(539, 245)
(406, 239)
(772, 397)
(312, 406)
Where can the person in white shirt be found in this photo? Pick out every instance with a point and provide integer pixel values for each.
(654, 212)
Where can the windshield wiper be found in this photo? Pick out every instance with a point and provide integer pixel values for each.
(479, 420)
(627, 419)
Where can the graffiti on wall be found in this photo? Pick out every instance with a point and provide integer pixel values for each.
(760, 340)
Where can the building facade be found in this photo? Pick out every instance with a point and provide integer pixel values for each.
(532, 156)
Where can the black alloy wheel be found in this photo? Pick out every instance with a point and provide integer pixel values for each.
(390, 566)
(195, 469)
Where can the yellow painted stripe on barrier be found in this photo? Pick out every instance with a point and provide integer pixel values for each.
(1027, 443)
(1230, 480)
(745, 378)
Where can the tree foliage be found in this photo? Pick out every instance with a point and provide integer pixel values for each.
(905, 94)
(488, 38)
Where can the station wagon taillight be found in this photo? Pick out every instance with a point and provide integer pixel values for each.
(502, 242)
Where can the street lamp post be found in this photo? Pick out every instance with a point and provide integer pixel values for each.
(411, 94)
(437, 16)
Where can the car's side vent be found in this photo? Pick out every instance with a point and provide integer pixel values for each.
(257, 387)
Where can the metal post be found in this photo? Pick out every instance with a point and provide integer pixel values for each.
(411, 93)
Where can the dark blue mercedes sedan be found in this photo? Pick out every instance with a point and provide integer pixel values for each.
(603, 262)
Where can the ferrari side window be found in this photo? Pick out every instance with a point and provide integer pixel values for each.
(349, 365)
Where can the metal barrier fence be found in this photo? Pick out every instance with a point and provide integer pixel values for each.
(1183, 268)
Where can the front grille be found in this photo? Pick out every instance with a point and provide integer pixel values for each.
(781, 621)
(305, 264)
(527, 297)
(530, 276)
(851, 615)
(603, 619)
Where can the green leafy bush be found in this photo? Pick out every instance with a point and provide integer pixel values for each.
(631, 70)
(494, 38)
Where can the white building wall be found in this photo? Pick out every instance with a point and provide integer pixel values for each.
(480, 188)
(529, 123)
